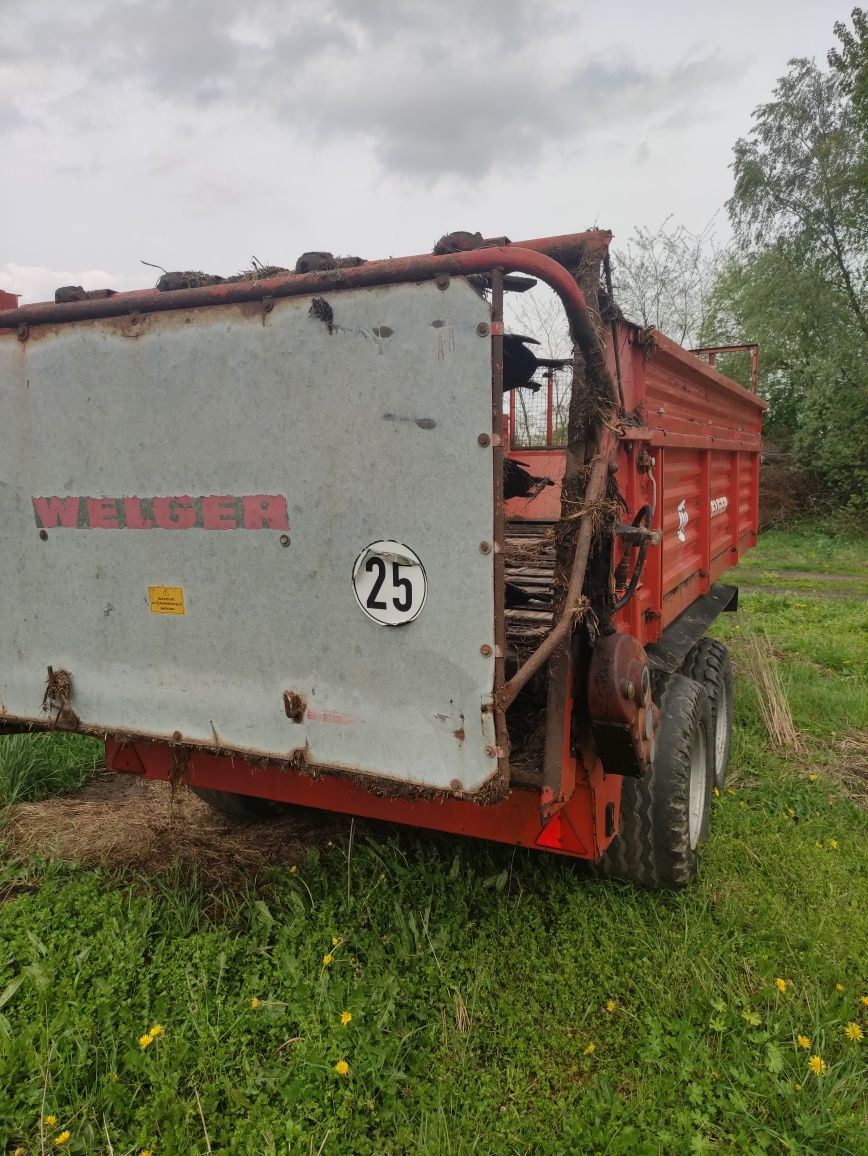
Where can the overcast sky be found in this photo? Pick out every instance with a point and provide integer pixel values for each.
(198, 133)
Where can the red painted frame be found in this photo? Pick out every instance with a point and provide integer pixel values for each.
(579, 829)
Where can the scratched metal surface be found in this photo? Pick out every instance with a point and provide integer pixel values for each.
(368, 436)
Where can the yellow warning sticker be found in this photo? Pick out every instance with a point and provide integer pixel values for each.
(166, 599)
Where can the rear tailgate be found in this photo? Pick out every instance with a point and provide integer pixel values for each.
(186, 501)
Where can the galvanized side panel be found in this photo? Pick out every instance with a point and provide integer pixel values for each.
(366, 426)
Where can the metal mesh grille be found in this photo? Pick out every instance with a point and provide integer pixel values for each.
(540, 419)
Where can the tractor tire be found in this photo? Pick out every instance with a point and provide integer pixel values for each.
(240, 806)
(709, 664)
(664, 814)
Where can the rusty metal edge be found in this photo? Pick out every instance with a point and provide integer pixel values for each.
(500, 728)
(513, 258)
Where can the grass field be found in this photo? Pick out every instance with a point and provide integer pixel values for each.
(468, 998)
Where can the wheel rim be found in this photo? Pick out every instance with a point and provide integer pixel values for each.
(721, 730)
(698, 786)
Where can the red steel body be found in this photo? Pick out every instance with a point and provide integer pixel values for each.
(703, 432)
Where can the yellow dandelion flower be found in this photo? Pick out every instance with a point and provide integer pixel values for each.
(49, 1121)
(863, 999)
(346, 1017)
(817, 1066)
(840, 987)
(342, 1068)
(255, 1002)
(812, 778)
(19, 1152)
(819, 846)
(611, 1005)
(833, 844)
(146, 1040)
(854, 1032)
(781, 984)
(156, 1030)
(717, 792)
(293, 870)
(62, 1139)
(590, 1049)
(334, 941)
(146, 1152)
(803, 1042)
(327, 959)
(798, 1087)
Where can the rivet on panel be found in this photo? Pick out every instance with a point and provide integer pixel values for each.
(483, 329)
(484, 439)
(485, 650)
(485, 547)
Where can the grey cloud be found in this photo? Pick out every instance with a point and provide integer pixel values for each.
(451, 89)
(11, 117)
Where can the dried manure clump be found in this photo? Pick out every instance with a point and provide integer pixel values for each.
(118, 821)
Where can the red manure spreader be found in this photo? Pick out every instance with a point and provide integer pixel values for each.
(291, 538)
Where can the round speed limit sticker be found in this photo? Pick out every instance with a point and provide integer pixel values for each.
(390, 583)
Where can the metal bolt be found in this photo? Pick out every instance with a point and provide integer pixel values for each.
(628, 689)
(491, 752)
(284, 539)
(483, 329)
(484, 440)
(43, 534)
(485, 650)
(442, 281)
(176, 736)
(485, 547)
(23, 331)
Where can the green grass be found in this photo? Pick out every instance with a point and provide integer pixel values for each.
(40, 765)
(477, 977)
(813, 547)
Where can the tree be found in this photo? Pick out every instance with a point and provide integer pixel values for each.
(665, 278)
(799, 177)
(850, 62)
(797, 280)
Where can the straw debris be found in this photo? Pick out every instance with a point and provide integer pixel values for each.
(763, 670)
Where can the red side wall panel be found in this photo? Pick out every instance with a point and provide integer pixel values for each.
(704, 433)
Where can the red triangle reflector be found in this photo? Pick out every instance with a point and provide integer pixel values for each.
(559, 834)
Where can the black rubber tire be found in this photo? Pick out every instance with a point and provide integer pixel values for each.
(654, 848)
(240, 806)
(709, 664)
